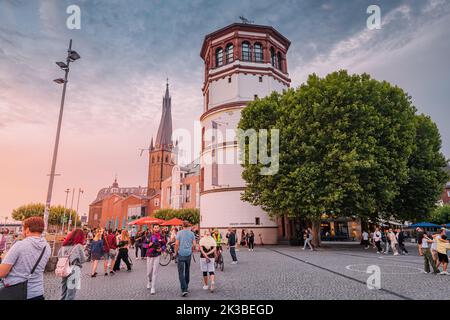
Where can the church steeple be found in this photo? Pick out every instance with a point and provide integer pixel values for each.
(164, 135)
(161, 149)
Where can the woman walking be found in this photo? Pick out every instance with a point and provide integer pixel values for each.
(72, 248)
(308, 238)
(145, 241)
(207, 257)
(156, 245)
(97, 252)
(123, 252)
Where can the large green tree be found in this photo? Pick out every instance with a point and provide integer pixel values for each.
(345, 144)
(441, 215)
(191, 215)
(426, 177)
(37, 209)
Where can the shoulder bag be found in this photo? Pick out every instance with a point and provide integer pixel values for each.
(19, 291)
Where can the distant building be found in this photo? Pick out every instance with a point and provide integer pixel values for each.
(445, 196)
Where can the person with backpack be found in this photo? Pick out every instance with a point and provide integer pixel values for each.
(22, 270)
(156, 245)
(70, 259)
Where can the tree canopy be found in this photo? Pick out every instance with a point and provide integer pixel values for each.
(37, 209)
(191, 215)
(349, 146)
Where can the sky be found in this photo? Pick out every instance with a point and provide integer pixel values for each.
(129, 47)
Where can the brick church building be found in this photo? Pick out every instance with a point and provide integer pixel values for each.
(115, 206)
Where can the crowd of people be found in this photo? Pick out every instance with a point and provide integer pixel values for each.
(25, 261)
(113, 247)
(433, 247)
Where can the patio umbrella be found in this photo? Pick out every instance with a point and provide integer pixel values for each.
(173, 222)
(424, 225)
(146, 220)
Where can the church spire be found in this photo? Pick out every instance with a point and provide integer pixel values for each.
(164, 135)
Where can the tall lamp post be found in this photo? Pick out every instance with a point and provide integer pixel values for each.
(71, 57)
(65, 207)
(78, 203)
(70, 212)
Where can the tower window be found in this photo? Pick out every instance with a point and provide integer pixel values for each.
(279, 60)
(260, 79)
(246, 55)
(255, 96)
(258, 51)
(229, 79)
(219, 57)
(229, 53)
(272, 57)
(167, 158)
(257, 221)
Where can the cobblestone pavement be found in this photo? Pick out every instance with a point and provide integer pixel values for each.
(276, 272)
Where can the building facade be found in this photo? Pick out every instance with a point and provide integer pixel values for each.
(242, 62)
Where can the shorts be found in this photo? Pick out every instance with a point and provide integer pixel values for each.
(442, 257)
(111, 254)
(207, 266)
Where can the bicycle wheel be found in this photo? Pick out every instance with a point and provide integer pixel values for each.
(165, 258)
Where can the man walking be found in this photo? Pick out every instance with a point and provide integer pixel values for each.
(232, 240)
(401, 242)
(377, 240)
(184, 244)
(426, 252)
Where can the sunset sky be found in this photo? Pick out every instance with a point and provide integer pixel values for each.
(129, 48)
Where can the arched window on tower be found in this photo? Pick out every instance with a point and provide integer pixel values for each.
(272, 57)
(167, 158)
(246, 55)
(229, 53)
(279, 61)
(219, 57)
(153, 159)
(258, 51)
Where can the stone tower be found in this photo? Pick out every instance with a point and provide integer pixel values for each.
(242, 62)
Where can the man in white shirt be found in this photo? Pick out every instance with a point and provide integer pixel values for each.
(365, 239)
(377, 239)
(428, 259)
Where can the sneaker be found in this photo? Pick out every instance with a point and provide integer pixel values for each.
(205, 287)
(378, 252)
(152, 291)
(303, 248)
(149, 285)
(111, 272)
(249, 250)
(184, 294)
(106, 273)
(395, 254)
(94, 275)
(444, 273)
(233, 262)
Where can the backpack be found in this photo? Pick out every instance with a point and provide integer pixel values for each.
(63, 267)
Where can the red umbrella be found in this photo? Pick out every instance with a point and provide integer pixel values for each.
(173, 222)
(146, 220)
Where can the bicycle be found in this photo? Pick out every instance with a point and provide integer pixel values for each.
(166, 256)
(218, 261)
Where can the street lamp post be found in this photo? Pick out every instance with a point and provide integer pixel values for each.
(71, 56)
(70, 212)
(65, 207)
(78, 203)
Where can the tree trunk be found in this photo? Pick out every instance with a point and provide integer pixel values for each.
(316, 233)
